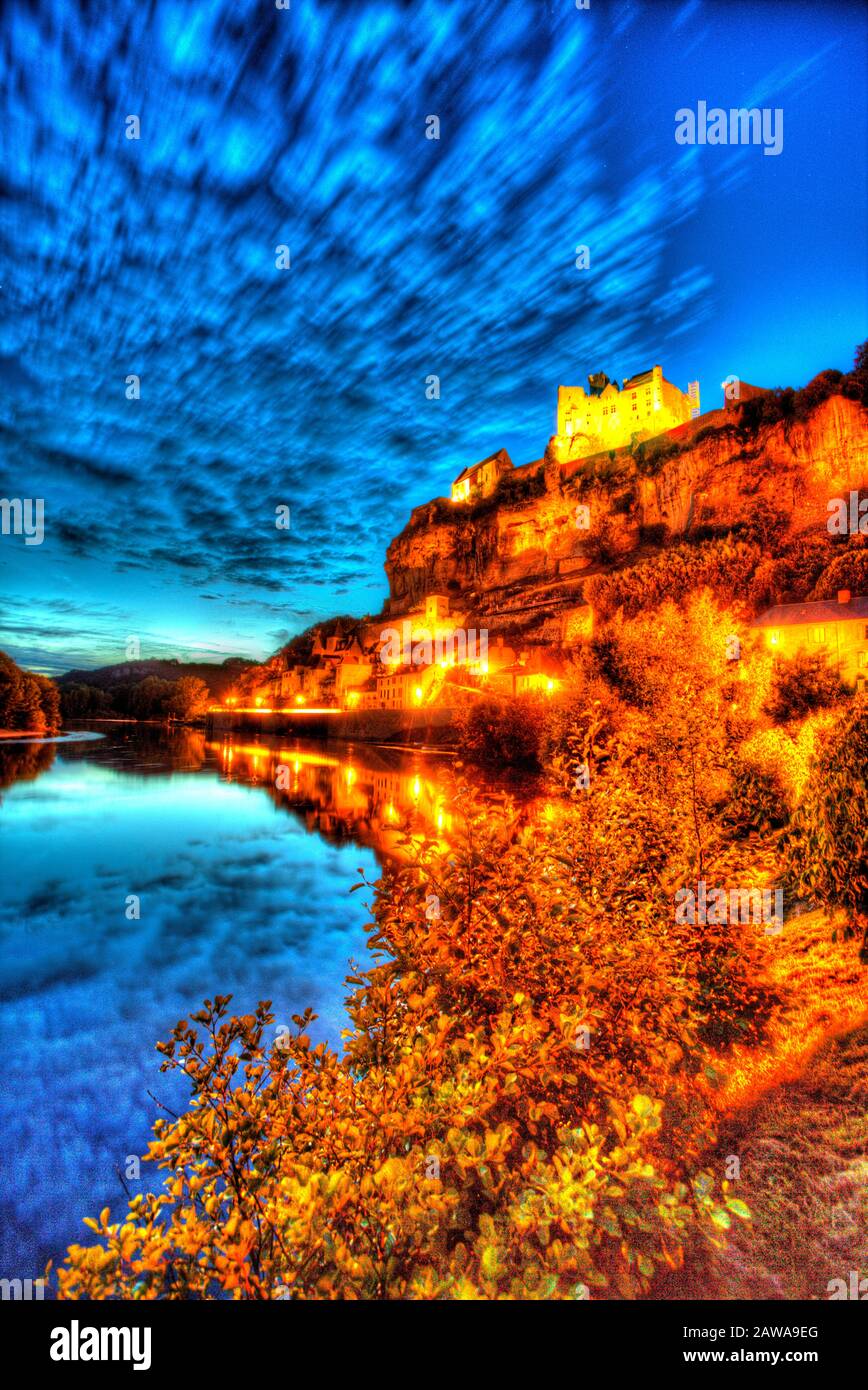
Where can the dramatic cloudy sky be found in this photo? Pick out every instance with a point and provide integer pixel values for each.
(305, 387)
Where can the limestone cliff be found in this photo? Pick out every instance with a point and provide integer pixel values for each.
(521, 556)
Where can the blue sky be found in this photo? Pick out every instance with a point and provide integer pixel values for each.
(409, 257)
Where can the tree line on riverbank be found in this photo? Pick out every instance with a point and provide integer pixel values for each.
(187, 697)
(29, 702)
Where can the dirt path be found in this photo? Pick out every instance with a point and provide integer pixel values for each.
(794, 1114)
(803, 1151)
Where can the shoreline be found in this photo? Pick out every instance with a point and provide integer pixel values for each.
(432, 727)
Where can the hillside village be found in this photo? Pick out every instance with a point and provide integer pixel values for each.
(487, 586)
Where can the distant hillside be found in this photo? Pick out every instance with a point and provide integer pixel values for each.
(219, 679)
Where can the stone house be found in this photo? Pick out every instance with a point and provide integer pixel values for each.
(480, 479)
(836, 627)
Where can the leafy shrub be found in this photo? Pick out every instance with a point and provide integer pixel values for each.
(825, 850)
(848, 570)
(768, 409)
(819, 389)
(517, 487)
(790, 576)
(855, 384)
(724, 566)
(502, 732)
(800, 684)
(783, 757)
(765, 524)
(580, 722)
(786, 404)
(757, 800)
(650, 455)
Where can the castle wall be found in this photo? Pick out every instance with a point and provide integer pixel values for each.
(589, 424)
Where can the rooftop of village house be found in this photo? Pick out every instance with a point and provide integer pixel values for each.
(832, 610)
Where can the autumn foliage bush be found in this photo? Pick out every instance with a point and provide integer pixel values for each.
(724, 566)
(803, 683)
(826, 850)
(848, 570)
(503, 732)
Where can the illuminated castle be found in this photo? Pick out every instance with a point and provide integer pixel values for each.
(608, 416)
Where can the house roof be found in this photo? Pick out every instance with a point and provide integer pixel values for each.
(501, 458)
(638, 380)
(827, 610)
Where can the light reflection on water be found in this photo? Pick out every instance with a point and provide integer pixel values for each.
(360, 792)
(243, 889)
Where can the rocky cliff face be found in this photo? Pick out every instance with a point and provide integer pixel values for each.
(524, 561)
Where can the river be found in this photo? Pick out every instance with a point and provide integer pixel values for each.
(142, 871)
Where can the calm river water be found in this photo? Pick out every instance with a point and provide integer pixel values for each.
(241, 890)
